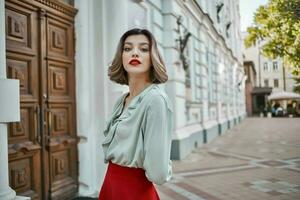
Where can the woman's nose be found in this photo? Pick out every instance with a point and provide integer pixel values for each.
(135, 52)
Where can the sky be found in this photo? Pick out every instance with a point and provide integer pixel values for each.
(247, 9)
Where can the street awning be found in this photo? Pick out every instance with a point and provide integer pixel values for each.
(282, 95)
(262, 90)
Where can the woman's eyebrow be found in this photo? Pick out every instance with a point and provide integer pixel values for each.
(142, 43)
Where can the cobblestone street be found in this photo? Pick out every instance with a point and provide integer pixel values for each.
(258, 159)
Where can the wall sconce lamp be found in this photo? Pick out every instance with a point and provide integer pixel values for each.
(228, 25)
(241, 82)
(227, 28)
(182, 42)
(219, 8)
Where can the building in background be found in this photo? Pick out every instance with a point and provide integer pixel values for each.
(249, 85)
(271, 75)
(60, 51)
(272, 71)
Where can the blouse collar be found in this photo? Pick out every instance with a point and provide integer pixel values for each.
(138, 98)
(133, 103)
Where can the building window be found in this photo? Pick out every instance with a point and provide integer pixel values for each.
(266, 66)
(198, 87)
(276, 83)
(275, 66)
(266, 82)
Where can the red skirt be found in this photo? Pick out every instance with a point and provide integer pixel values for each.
(125, 183)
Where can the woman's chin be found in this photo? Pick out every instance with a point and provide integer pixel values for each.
(136, 71)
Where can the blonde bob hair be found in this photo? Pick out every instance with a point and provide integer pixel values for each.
(158, 72)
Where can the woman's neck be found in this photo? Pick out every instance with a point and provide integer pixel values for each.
(137, 86)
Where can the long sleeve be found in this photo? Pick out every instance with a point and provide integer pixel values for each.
(157, 140)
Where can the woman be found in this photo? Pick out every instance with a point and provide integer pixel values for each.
(139, 132)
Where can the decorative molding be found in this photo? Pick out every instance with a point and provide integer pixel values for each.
(62, 7)
(41, 13)
(22, 147)
(62, 141)
(210, 29)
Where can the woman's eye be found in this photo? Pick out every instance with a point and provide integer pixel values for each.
(126, 49)
(145, 49)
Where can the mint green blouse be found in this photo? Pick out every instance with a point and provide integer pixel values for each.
(140, 135)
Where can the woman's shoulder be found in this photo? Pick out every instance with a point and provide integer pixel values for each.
(157, 96)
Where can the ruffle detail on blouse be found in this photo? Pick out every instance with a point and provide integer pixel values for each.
(115, 113)
(114, 120)
(109, 136)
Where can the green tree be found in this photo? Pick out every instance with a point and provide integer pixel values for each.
(278, 23)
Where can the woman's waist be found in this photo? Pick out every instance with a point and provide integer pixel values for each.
(120, 170)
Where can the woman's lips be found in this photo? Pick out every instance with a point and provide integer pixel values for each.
(134, 62)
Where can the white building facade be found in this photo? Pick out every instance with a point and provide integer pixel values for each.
(208, 97)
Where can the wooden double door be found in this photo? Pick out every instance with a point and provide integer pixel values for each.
(40, 53)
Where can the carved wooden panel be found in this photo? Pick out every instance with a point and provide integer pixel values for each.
(19, 70)
(59, 76)
(20, 28)
(60, 165)
(20, 174)
(58, 42)
(24, 174)
(61, 120)
(60, 38)
(21, 130)
(63, 171)
(25, 132)
(16, 27)
(23, 68)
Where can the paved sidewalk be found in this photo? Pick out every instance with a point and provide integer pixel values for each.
(257, 160)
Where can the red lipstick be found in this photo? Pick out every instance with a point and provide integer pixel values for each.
(134, 62)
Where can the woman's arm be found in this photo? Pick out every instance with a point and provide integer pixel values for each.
(157, 140)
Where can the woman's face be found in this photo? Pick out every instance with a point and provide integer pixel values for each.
(136, 55)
